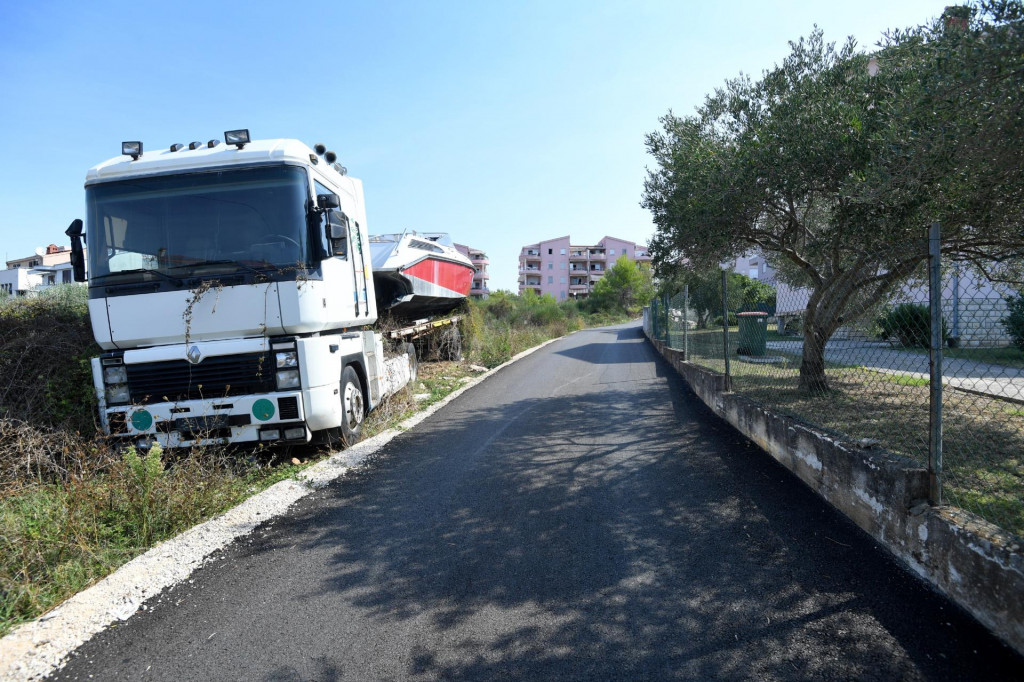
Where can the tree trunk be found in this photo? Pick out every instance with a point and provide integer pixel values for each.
(812, 367)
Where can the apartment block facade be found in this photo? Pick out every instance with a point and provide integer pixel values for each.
(480, 262)
(564, 270)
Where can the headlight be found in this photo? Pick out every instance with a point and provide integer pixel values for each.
(288, 378)
(287, 359)
(118, 394)
(115, 375)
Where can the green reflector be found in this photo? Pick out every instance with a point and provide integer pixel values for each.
(263, 409)
(142, 420)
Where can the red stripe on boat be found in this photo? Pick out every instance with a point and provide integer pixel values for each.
(454, 276)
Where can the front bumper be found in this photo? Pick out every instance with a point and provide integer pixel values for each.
(235, 419)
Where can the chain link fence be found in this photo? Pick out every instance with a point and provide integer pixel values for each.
(946, 390)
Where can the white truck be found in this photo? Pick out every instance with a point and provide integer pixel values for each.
(230, 290)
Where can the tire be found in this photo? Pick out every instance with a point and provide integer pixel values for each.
(353, 407)
(410, 352)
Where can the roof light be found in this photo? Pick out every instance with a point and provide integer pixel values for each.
(319, 148)
(239, 138)
(331, 157)
(132, 149)
(212, 143)
(177, 146)
(194, 145)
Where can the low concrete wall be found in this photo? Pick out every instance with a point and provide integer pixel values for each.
(974, 563)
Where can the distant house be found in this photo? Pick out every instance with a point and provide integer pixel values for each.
(480, 263)
(46, 267)
(972, 308)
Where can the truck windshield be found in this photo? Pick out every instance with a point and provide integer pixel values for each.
(199, 223)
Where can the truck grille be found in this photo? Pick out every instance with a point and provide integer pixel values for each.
(214, 377)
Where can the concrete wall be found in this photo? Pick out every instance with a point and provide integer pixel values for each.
(976, 564)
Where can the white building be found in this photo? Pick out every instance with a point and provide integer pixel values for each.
(46, 267)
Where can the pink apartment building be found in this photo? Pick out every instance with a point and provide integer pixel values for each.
(564, 270)
(480, 262)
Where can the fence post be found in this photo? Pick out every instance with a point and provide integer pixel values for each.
(725, 325)
(935, 365)
(686, 323)
(668, 303)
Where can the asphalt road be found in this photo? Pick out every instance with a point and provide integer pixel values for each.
(579, 515)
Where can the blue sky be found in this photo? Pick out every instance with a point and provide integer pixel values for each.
(502, 123)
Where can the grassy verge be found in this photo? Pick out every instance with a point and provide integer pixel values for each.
(983, 440)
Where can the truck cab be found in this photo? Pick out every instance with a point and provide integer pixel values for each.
(230, 289)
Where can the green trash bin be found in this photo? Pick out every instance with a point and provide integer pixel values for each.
(753, 333)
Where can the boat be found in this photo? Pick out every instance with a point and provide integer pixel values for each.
(419, 274)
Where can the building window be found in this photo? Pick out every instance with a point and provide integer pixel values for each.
(562, 251)
(563, 281)
(625, 252)
(561, 295)
(551, 279)
(563, 265)
(753, 273)
(551, 266)
(611, 252)
(550, 251)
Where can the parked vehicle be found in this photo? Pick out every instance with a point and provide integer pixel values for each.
(231, 289)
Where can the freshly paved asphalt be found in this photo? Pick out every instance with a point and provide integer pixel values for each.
(577, 516)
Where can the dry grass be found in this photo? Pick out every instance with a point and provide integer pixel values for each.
(983, 441)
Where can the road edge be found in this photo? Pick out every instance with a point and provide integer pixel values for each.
(36, 649)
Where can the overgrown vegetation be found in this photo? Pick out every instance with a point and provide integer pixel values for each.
(72, 509)
(496, 329)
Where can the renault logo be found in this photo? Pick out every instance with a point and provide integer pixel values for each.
(194, 355)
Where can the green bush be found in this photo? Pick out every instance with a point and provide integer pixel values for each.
(1014, 322)
(45, 345)
(733, 320)
(909, 324)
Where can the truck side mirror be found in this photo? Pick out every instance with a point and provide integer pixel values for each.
(337, 232)
(77, 251)
(326, 201)
(338, 225)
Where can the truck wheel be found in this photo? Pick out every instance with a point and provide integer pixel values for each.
(353, 407)
(410, 352)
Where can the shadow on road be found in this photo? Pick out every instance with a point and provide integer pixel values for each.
(616, 535)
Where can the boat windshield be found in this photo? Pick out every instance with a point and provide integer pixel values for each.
(199, 223)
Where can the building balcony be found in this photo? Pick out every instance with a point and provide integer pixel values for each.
(531, 252)
(579, 287)
(523, 271)
(479, 261)
(594, 255)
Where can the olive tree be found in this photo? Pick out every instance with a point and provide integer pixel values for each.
(835, 161)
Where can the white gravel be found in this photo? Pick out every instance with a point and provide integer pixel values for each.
(34, 650)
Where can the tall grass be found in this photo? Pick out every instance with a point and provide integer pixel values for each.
(496, 329)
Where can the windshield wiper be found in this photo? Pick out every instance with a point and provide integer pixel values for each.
(227, 261)
(139, 271)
